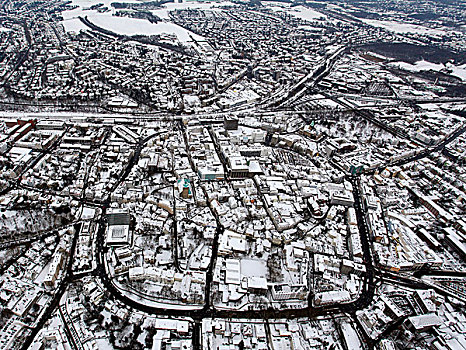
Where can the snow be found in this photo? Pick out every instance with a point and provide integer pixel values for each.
(3, 256)
(253, 268)
(309, 28)
(153, 303)
(88, 213)
(297, 11)
(131, 26)
(329, 103)
(103, 344)
(305, 13)
(403, 28)
(40, 277)
(87, 3)
(12, 221)
(377, 55)
(123, 25)
(419, 66)
(457, 71)
(194, 5)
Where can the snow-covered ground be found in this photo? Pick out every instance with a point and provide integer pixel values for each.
(418, 66)
(40, 277)
(403, 28)
(153, 303)
(129, 26)
(329, 103)
(103, 343)
(297, 11)
(163, 12)
(457, 71)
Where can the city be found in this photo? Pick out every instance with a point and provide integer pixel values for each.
(232, 174)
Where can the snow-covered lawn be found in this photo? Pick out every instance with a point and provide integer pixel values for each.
(458, 71)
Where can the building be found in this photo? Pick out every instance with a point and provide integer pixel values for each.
(50, 125)
(230, 123)
(238, 167)
(456, 241)
(10, 333)
(344, 198)
(118, 230)
(422, 322)
(287, 292)
(331, 297)
(184, 188)
(211, 172)
(54, 270)
(433, 207)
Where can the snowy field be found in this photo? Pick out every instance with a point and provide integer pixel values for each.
(457, 71)
(194, 5)
(132, 26)
(297, 11)
(403, 28)
(418, 66)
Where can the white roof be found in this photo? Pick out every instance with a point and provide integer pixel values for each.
(351, 337)
(426, 320)
(118, 234)
(257, 282)
(175, 325)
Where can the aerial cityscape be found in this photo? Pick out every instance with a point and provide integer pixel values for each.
(243, 174)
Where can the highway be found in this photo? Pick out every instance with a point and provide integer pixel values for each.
(306, 83)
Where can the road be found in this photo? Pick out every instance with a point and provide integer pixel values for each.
(209, 311)
(368, 115)
(56, 296)
(422, 154)
(308, 82)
